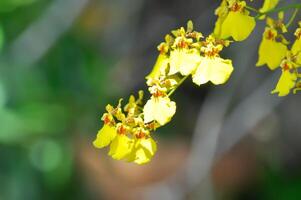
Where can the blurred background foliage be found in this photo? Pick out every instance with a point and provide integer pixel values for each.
(53, 89)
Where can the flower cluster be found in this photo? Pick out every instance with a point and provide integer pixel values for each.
(128, 131)
(289, 65)
(275, 53)
(273, 48)
(187, 53)
(235, 21)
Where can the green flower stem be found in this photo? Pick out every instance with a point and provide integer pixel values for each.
(295, 5)
(252, 9)
(292, 17)
(180, 82)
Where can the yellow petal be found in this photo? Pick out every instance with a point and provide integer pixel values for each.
(296, 50)
(237, 25)
(268, 5)
(149, 144)
(159, 67)
(120, 147)
(286, 82)
(104, 136)
(160, 109)
(217, 27)
(144, 150)
(183, 61)
(216, 70)
(271, 53)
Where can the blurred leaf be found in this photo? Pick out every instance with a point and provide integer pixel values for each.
(60, 176)
(9, 5)
(278, 186)
(11, 126)
(2, 96)
(1, 38)
(46, 154)
(31, 119)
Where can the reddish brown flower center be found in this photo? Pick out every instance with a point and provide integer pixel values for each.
(158, 93)
(270, 35)
(140, 135)
(121, 130)
(161, 49)
(236, 7)
(151, 126)
(107, 120)
(212, 53)
(285, 67)
(182, 44)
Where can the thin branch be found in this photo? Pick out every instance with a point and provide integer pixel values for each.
(291, 6)
(292, 17)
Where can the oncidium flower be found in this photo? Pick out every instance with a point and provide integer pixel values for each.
(184, 53)
(273, 47)
(287, 79)
(159, 107)
(233, 21)
(212, 67)
(179, 53)
(143, 149)
(122, 145)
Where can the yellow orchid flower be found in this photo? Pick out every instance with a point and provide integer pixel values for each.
(286, 82)
(143, 151)
(236, 23)
(160, 109)
(214, 69)
(270, 51)
(287, 79)
(105, 136)
(183, 61)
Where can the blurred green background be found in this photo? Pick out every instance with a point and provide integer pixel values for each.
(62, 61)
